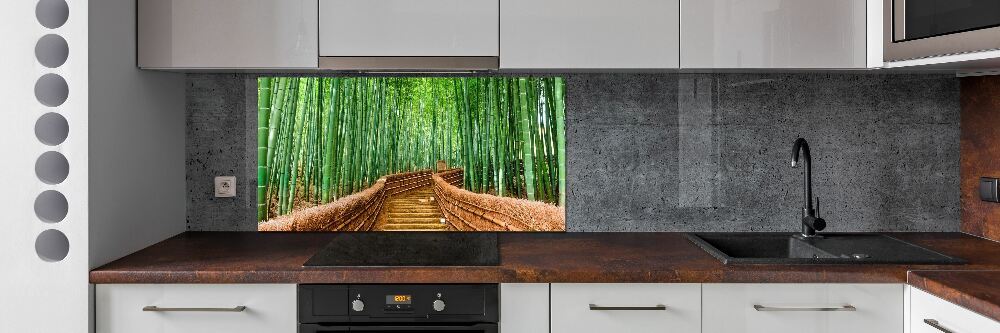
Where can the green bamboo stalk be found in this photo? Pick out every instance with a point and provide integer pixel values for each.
(329, 137)
(549, 138)
(297, 146)
(501, 148)
(466, 134)
(539, 170)
(308, 139)
(559, 100)
(263, 116)
(274, 123)
(484, 134)
(290, 148)
(434, 129)
(526, 139)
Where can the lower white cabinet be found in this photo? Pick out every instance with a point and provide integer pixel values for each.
(570, 308)
(634, 308)
(930, 314)
(180, 308)
(803, 308)
(524, 308)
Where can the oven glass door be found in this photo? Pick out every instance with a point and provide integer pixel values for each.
(476, 328)
(916, 19)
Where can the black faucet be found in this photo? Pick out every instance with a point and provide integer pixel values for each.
(810, 221)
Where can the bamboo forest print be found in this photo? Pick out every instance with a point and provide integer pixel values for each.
(411, 154)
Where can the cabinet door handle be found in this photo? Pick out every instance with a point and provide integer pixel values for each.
(159, 309)
(596, 307)
(759, 307)
(935, 324)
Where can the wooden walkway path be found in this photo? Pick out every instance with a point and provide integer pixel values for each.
(414, 210)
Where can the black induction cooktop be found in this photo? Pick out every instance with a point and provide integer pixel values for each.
(408, 249)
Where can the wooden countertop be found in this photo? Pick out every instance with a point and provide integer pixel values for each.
(978, 291)
(251, 257)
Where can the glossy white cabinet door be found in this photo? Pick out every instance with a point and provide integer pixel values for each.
(524, 308)
(270, 308)
(774, 34)
(409, 28)
(589, 34)
(730, 308)
(924, 306)
(227, 34)
(674, 308)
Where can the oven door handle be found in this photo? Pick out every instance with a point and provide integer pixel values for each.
(314, 328)
(484, 328)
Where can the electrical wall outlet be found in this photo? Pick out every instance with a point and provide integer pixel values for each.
(225, 187)
(988, 189)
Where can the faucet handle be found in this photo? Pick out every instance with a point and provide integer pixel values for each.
(817, 206)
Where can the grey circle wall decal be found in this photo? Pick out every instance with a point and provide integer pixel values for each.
(51, 90)
(52, 13)
(51, 129)
(52, 245)
(51, 206)
(52, 167)
(51, 51)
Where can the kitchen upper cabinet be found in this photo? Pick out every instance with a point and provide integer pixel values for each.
(589, 34)
(634, 308)
(780, 34)
(408, 28)
(930, 314)
(802, 308)
(221, 34)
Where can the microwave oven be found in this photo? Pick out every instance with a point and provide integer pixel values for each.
(915, 29)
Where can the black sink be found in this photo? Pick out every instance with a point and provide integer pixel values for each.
(837, 248)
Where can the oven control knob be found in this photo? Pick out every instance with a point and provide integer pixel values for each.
(438, 305)
(358, 305)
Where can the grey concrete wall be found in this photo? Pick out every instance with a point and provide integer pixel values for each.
(221, 141)
(685, 152)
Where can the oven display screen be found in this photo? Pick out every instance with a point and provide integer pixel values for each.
(398, 299)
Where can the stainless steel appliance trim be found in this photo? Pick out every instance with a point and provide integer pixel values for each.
(596, 307)
(759, 307)
(935, 324)
(957, 43)
(417, 64)
(154, 308)
(898, 19)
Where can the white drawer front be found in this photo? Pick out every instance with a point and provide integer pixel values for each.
(730, 308)
(947, 315)
(571, 311)
(270, 308)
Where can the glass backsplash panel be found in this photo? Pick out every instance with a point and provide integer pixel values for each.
(411, 154)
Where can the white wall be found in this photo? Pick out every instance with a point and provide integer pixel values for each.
(137, 185)
(37, 295)
(125, 150)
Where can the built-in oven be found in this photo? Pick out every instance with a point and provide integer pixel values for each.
(916, 29)
(376, 308)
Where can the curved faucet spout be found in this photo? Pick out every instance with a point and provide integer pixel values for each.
(803, 146)
(810, 222)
